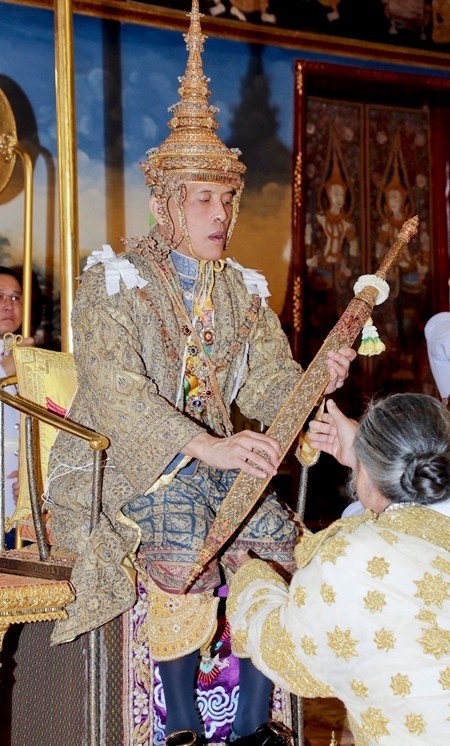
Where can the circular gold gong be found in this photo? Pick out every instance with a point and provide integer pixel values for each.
(8, 141)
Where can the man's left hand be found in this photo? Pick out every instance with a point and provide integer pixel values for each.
(338, 365)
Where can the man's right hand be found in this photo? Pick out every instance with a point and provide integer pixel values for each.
(255, 453)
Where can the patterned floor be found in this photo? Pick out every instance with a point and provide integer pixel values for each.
(322, 717)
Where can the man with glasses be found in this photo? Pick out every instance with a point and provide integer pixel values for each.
(10, 322)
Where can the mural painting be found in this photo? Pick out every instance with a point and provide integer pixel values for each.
(125, 81)
(422, 24)
(399, 187)
(367, 171)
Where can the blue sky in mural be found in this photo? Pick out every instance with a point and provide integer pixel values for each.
(140, 67)
(151, 62)
(25, 59)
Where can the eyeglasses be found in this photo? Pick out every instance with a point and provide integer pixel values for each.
(16, 300)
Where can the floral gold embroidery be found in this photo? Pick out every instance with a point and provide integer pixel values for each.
(359, 688)
(342, 643)
(436, 641)
(239, 641)
(426, 616)
(433, 589)
(417, 521)
(374, 601)
(378, 567)
(444, 678)
(374, 724)
(300, 596)
(384, 639)
(441, 564)
(332, 549)
(400, 685)
(327, 593)
(283, 655)
(415, 724)
(176, 623)
(388, 537)
(308, 645)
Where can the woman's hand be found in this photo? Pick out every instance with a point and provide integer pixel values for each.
(334, 433)
(255, 453)
(338, 364)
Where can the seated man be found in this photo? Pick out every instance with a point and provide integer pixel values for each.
(165, 339)
(366, 616)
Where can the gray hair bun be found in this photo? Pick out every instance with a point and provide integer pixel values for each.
(403, 442)
(426, 477)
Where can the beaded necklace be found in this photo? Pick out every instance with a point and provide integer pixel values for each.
(197, 289)
(199, 336)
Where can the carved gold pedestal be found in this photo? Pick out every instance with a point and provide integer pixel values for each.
(24, 599)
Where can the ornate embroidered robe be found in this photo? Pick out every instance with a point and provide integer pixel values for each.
(366, 619)
(129, 351)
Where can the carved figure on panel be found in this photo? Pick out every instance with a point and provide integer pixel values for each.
(241, 8)
(331, 240)
(401, 314)
(395, 204)
(408, 14)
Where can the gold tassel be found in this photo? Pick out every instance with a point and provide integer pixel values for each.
(371, 343)
(305, 453)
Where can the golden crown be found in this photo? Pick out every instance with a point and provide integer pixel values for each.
(193, 151)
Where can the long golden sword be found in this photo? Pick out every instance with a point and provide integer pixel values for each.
(289, 422)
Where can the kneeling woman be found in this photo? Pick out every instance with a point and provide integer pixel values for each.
(366, 617)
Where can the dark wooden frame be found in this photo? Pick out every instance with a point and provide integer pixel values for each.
(336, 80)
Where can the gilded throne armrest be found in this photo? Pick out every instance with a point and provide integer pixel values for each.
(35, 579)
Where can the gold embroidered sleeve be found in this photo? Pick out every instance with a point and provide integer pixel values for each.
(272, 372)
(119, 394)
(257, 608)
(338, 629)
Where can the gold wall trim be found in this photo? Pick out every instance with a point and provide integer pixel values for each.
(297, 190)
(67, 165)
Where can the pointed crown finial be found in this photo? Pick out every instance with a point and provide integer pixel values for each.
(193, 151)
